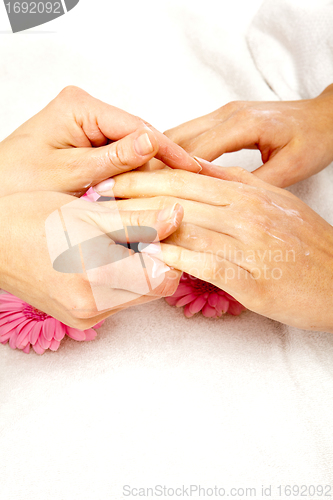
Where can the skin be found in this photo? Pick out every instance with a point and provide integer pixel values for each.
(74, 142)
(26, 268)
(295, 138)
(77, 141)
(257, 242)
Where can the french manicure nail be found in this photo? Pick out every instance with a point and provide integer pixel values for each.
(104, 186)
(202, 162)
(197, 162)
(149, 248)
(159, 267)
(142, 145)
(166, 213)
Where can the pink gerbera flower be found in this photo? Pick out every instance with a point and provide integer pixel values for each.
(24, 326)
(197, 295)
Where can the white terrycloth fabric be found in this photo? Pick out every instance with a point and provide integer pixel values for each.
(158, 399)
(291, 43)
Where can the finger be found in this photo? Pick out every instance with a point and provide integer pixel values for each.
(99, 120)
(206, 266)
(139, 273)
(234, 134)
(125, 226)
(234, 174)
(183, 134)
(283, 169)
(97, 164)
(210, 217)
(187, 131)
(180, 184)
(200, 239)
(153, 164)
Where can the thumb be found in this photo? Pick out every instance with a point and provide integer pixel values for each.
(128, 153)
(283, 169)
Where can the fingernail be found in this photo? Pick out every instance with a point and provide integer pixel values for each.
(142, 145)
(106, 185)
(148, 248)
(202, 162)
(166, 213)
(200, 167)
(159, 268)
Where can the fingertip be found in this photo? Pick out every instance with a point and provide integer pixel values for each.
(145, 143)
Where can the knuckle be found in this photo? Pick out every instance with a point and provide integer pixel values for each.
(71, 92)
(163, 201)
(240, 173)
(117, 155)
(135, 218)
(230, 108)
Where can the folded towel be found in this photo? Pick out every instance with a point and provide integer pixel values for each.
(291, 42)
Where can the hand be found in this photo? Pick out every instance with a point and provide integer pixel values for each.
(65, 256)
(69, 146)
(259, 243)
(295, 138)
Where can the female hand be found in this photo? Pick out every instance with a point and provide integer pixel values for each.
(259, 243)
(295, 138)
(69, 146)
(74, 259)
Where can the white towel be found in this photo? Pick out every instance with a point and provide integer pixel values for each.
(291, 42)
(159, 399)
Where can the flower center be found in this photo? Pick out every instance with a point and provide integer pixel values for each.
(36, 314)
(200, 286)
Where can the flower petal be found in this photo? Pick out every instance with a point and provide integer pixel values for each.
(12, 325)
(9, 316)
(54, 346)
(14, 307)
(13, 338)
(8, 297)
(38, 349)
(185, 300)
(27, 348)
(197, 304)
(60, 331)
(222, 305)
(213, 299)
(42, 340)
(187, 311)
(183, 289)
(98, 325)
(235, 308)
(49, 329)
(171, 300)
(91, 334)
(76, 334)
(209, 312)
(24, 334)
(35, 331)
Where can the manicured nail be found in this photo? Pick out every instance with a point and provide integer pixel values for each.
(148, 248)
(159, 268)
(202, 162)
(142, 145)
(200, 167)
(104, 186)
(167, 213)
